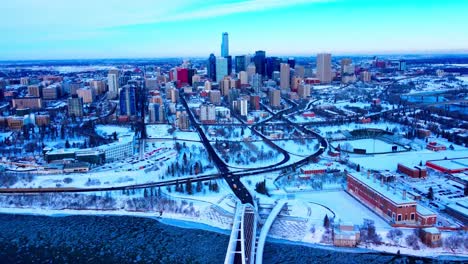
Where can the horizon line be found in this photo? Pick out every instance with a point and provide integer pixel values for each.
(339, 54)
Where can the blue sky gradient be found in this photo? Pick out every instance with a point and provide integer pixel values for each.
(57, 29)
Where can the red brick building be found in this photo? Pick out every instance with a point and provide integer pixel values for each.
(391, 205)
(313, 169)
(434, 146)
(449, 165)
(413, 171)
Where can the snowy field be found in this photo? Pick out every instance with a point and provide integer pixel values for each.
(345, 207)
(370, 145)
(300, 147)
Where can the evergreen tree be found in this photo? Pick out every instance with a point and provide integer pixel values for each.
(188, 187)
(430, 194)
(326, 221)
(199, 186)
(67, 144)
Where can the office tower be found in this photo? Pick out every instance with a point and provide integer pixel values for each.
(191, 73)
(272, 64)
(229, 64)
(221, 68)
(127, 101)
(240, 63)
(113, 83)
(324, 67)
(256, 82)
(244, 79)
(87, 94)
(75, 106)
(212, 67)
(259, 61)
(285, 76)
(292, 63)
(215, 97)
(299, 71)
(182, 77)
(225, 45)
(251, 69)
(274, 97)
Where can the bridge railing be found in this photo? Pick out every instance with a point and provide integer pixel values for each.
(231, 250)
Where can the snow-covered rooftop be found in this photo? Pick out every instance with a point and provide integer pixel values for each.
(383, 190)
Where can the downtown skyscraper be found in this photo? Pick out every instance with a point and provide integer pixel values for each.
(225, 45)
(324, 67)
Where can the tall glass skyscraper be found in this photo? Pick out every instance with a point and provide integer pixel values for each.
(212, 67)
(225, 45)
(259, 61)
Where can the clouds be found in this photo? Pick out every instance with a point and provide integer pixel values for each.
(96, 14)
(160, 28)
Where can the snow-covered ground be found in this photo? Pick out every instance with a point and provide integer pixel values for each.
(370, 145)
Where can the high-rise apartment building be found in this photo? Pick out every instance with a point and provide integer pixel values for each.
(113, 83)
(127, 101)
(324, 73)
(75, 106)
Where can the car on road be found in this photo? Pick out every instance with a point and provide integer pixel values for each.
(235, 186)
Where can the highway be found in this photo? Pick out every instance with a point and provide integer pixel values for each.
(232, 178)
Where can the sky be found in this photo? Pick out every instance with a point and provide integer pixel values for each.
(69, 29)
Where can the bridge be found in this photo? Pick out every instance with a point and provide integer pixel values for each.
(241, 247)
(266, 227)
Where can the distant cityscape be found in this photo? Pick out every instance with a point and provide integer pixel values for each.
(340, 151)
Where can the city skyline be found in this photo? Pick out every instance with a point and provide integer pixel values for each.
(299, 27)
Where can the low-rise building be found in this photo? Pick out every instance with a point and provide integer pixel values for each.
(413, 171)
(346, 235)
(431, 237)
